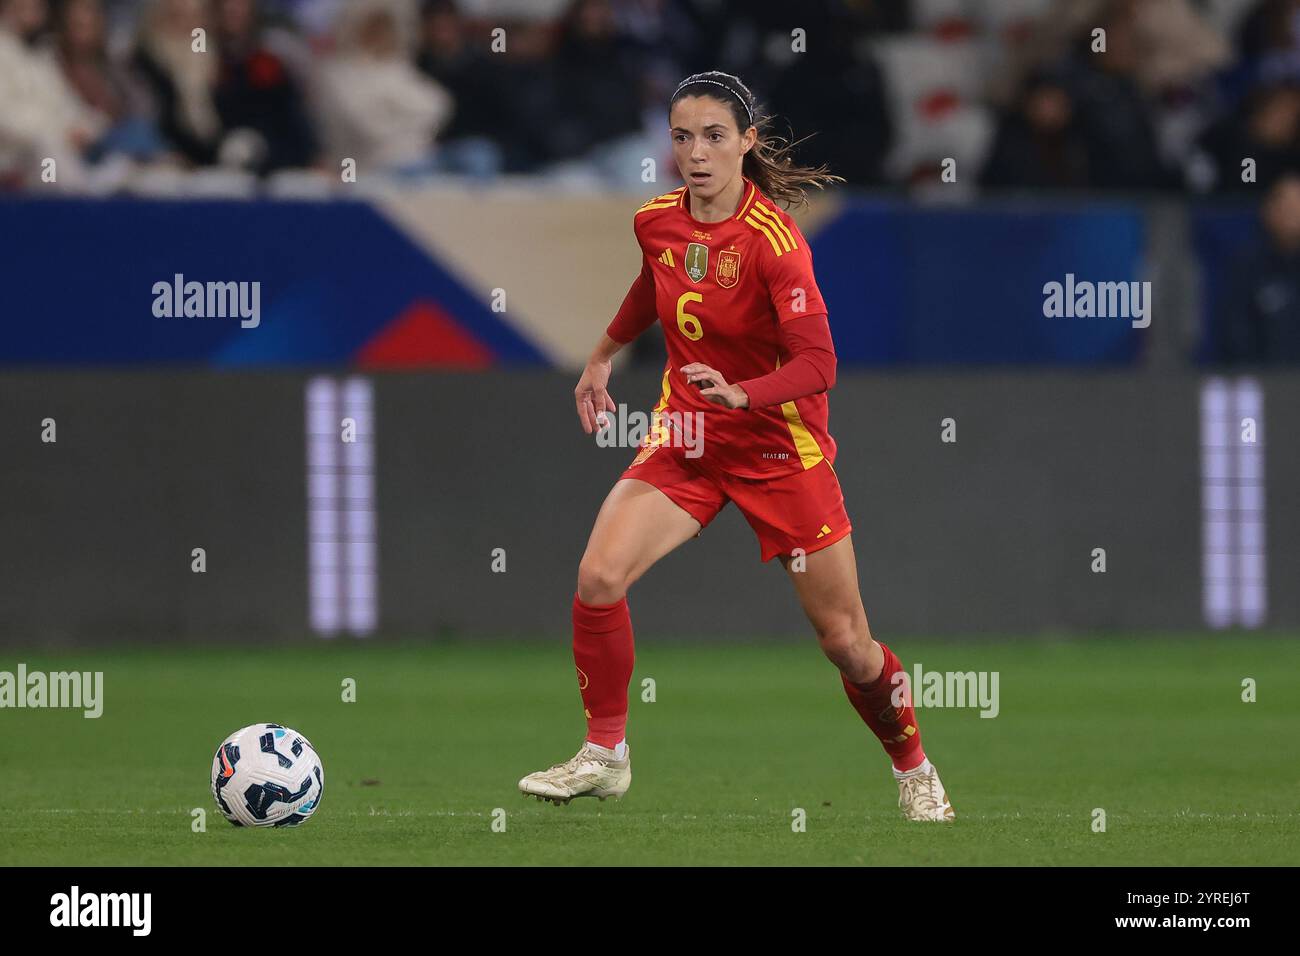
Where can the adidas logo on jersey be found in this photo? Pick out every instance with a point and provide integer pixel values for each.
(666, 257)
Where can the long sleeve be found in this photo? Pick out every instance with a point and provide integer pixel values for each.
(811, 368)
(637, 313)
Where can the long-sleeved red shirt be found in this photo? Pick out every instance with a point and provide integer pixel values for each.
(739, 296)
(807, 338)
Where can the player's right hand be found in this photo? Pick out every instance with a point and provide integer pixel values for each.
(592, 397)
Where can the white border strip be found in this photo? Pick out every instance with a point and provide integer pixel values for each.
(360, 522)
(324, 555)
(1234, 562)
(342, 523)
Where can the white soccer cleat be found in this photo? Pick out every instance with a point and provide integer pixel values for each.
(921, 796)
(588, 773)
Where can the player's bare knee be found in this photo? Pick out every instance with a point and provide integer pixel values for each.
(600, 581)
(843, 640)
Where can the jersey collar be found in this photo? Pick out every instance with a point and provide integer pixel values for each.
(748, 195)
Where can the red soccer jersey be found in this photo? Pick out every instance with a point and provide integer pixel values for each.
(721, 290)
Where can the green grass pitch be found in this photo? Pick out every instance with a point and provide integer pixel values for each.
(1153, 731)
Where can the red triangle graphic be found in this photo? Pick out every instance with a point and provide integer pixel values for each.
(424, 336)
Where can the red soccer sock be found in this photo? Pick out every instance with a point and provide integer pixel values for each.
(895, 725)
(603, 654)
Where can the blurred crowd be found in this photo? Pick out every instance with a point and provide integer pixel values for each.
(1147, 97)
(1175, 95)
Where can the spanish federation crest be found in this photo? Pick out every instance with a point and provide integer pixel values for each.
(728, 273)
(697, 260)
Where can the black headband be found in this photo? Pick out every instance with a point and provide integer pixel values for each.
(692, 80)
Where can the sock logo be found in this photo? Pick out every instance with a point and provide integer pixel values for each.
(908, 731)
(583, 680)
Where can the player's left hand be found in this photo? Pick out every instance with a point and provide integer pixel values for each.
(714, 387)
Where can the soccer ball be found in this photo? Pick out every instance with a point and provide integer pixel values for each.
(266, 775)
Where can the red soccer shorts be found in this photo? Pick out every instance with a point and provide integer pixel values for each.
(803, 510)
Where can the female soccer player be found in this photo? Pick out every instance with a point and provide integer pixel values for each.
(750, 357)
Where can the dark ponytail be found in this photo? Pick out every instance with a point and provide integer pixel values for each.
(770, 163)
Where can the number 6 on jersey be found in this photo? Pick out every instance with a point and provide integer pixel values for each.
(688, 324)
